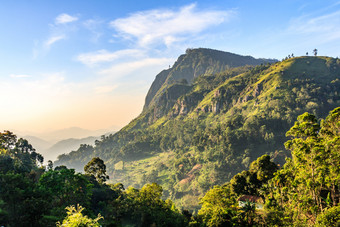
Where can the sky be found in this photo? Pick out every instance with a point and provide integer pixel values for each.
(89, 64)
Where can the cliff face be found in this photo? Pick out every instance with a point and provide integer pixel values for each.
(156, 85)
(166, 100)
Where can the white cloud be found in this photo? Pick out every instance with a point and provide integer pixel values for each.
(53, 39)
(123, 69)
(168, 26)
(58, 31)
(65, 18)
(93, 58)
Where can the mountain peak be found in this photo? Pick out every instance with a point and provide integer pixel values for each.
(192, 64)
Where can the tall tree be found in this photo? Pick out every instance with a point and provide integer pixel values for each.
(308, 184)
(65, 188)
(251, 181)
(218, 206)
(97, 169)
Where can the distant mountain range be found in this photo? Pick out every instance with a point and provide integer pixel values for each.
(62, 134)
(66, 146)
(52, 144)
(209, 116)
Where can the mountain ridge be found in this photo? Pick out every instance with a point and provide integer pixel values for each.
(196, 62)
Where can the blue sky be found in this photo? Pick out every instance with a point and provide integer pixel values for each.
(90, 63)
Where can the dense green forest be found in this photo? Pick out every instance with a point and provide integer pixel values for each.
(305, 191)
(208, 117)
(35, 195)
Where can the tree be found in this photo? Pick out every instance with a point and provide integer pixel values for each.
(17, 155)
(247, 215)
(251, 181)
(315, 51)
(49, 165)
(218, 206)
(7, 140)
(330, 217)
(75, 218)
(306, 150)
(308, 185)
(330, 133)
(64, 187)
(21, 202)
(97, 169)
(145, 207)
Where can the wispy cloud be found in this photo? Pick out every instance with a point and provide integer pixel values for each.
(324, 28)
(93, 58)
(59, 30)
(95, 27)
(168, 26)
(65, 18)
(53, 40)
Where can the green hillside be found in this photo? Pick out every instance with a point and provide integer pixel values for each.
(201, 133)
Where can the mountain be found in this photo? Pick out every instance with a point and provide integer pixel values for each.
(66, 146)
(55, 136)
(38, 143)
(64, 141)
(197, 133)
(72, 132)
(189, 66)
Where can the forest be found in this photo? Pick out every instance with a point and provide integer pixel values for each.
(304, 191)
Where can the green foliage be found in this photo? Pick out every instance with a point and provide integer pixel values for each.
(75, 218)
(218, 206)
(330, 217)
(22, 203)
(246, 215)
(309, 184)
(147, 208)
(97, 169)
(38, 197)
(250, 182)
(305, 191)
(17, 155)
(64, 187)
